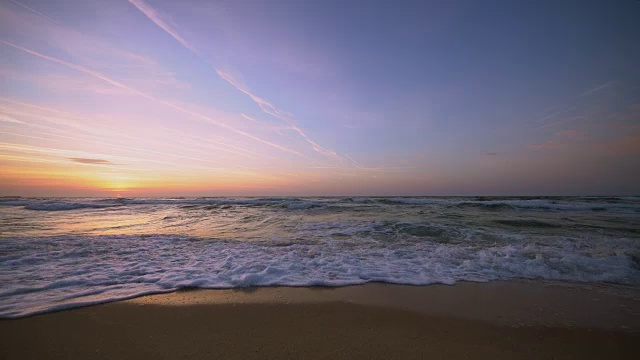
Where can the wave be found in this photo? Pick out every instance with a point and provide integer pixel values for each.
(489, 204)
(526, 223)
(61, 206)
(87, 270)
(563, 204)
(55, 205)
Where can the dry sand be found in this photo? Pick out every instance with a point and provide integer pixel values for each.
(492, 320)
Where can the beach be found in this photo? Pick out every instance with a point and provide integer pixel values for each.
(319, 179)
(319, 278)
(71, 252)
(502, 319)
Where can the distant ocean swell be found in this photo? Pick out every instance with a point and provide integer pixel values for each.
(61, 253)
(551, 203)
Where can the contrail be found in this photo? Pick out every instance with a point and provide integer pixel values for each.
(268, 108)
(263, 104)
(34, 11)
(597, 88)
(354, 162)
(149, 97)
(128, 148)
(6, 118)
(219, 145)
(153, 16)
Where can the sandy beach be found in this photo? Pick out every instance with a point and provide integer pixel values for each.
(375, 321)
(309, 179)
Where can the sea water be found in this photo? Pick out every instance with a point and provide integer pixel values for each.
(67, 252)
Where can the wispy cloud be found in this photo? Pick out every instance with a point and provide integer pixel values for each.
(220, 145)
(629, 115)
(64, 83)
(34, 11)
(573, 104)
(248, 117)
(91, 51)
(268, 108)
(90, 161)
(561, 121)
(570, 134)
(354, 162)
(597, 88)
(149, 97)
(624, 145)
(6, 118)
(278, 129)
(69, 126)
(626, 126)
(149, 12)
(560, 139)
(549, 144)
(39, 107)
(554, 114)
(369, 169)
(265, 105)
(66, 154)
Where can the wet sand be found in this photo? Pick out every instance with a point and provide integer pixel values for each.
(468, 320)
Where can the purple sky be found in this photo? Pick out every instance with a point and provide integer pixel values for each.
(154, 97)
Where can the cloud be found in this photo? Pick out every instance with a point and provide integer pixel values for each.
(92, 161)
(560, 139)
(354, 162)
(34, 11)
(150, 13)
(574, 104)
(88, 50)
(64, 83)
(278, 129)
(625, 145)
(597, 88)
(248, 117)
(89, 131)
(549, 144)
(68, 154)
(562, 121)
(570, 134)
(149, 97)
(48, 152)
(627, 142)
(266, 106)
(629, 115)
(370, 169)
(553, 115)
(6, 118)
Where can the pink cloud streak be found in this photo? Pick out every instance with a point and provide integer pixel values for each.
(267, 107)
(146, 96)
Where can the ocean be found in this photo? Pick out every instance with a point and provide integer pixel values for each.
(58, 253)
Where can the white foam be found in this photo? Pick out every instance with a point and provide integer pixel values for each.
(48, 261)
(46, 274)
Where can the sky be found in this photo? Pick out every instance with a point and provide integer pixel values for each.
(221, 98)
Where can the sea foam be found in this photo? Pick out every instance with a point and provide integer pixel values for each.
(66, 252)
(40, 275)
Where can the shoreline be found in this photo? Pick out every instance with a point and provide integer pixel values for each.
(398, 296)
(523, 319)
(514, 303)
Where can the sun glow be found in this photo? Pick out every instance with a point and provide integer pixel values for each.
(135, 104)
(116, 182)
